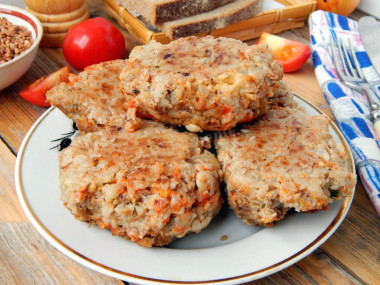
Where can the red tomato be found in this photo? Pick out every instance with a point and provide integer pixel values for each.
(92, 41)
(291, 55)
(35, 92)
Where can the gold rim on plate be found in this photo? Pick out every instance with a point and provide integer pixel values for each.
(56, 242)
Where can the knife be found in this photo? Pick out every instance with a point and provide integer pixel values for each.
(369, 31)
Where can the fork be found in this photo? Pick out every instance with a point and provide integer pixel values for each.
(353, 77)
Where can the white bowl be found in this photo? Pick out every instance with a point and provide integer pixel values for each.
(12, 70)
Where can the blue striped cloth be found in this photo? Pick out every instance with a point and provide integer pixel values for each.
(350, 108)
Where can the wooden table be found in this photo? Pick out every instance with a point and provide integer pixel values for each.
(351, 255)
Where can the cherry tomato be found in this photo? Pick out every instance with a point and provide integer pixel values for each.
(35, 92)
(92, 41)
(291, 55)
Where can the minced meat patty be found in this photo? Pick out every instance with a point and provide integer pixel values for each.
(202, 83)
(286, 160)
(150, 186)
(92, 99)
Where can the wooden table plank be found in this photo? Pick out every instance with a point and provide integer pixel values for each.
(323, 270)
(317, 268)
(10, 206)
(355, 245)
(26, 258)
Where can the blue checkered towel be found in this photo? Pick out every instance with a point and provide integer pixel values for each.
(350, 108)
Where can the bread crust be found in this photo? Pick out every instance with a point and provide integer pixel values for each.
(221, 17)
(160, 11)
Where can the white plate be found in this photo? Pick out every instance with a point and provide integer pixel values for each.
(248, 253)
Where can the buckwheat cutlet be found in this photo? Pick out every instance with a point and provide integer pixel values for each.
(202, 83)
(92, 99)
(150, 186)
(286, 160)
(282, 98)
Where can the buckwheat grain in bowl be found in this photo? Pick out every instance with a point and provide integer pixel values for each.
(14, 40)
(150, 186)
(20, 35)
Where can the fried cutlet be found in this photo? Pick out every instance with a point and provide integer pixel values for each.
(286, 160)
(150, 186)
(92, 99)
(202, 83)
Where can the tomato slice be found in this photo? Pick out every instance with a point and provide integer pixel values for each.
(35, 92)
(291, 55)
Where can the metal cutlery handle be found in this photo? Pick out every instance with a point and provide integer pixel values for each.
(350, 72)
(375, 108)
(369, 91)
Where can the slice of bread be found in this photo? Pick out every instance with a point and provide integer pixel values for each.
(228, 14)
(160, 11)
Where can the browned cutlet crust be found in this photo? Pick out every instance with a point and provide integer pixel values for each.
(150, 186)
(201, 83)
(288, 159)
(92, 99)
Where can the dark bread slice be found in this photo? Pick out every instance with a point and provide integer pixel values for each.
(233, 12)
(160, 11)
